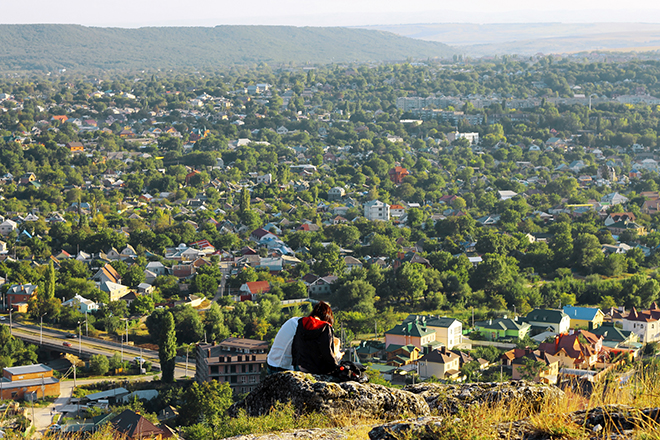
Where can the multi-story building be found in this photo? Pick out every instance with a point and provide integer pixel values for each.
(237, 361)
(377, 210)
(644, 323)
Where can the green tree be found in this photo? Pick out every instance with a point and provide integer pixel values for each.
(167, 348)
(410, 282)
(531, 368)
(142, 305)
(99, 365)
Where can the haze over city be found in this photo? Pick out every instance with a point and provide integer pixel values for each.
(125, 13)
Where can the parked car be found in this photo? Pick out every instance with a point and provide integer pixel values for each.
(67, 344)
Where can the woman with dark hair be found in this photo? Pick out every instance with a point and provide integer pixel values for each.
(313, 345)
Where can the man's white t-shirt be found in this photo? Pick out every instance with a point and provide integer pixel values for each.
(280, 353)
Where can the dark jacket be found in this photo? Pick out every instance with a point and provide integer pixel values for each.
(313, 346)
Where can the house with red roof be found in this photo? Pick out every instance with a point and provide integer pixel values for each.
(397, 174)
(250, 290)
(579, 350)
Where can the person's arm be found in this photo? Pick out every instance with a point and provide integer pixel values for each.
(326, 345)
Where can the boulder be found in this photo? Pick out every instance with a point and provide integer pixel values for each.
(309, 393)
(451, 398)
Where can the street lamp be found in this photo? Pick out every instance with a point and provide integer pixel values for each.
(79, 339)
(41, 329)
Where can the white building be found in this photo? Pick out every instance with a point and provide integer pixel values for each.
(7, 226)
(83, 305)
(645, 323)
(377, 210)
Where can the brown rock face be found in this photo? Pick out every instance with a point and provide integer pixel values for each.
(449, 399)
(309, 393)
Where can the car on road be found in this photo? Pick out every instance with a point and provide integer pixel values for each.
(2, 318)
(67, 344)
(55, 427)
(72, 336)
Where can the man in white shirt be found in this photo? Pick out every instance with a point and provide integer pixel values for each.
(279, 356)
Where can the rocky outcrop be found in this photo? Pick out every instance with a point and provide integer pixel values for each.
(309, 393)
(613, 422)
(450, 399)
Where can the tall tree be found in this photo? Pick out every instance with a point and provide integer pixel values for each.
(244, 203)
(49, 284)
(167, 348)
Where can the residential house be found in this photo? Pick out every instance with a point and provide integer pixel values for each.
(544, 319)
(588, 318)
(107, 273)
(546, 375)
(410, 333)
(399, 356)
(322, 286)
(644, 323)
(377, 210)
(19, 294)
(397, 174)
(28, 382)
(441, 363)
(352, 263)
(506, 195)
(132, 426)
(183, 270)
(616, 338)
(622, 226)
(7, 226)
(613, 199)
(158, 268)
(260, 234)
(578, 350)
(448, 331)
(83, 305)
(250, 290)
(115, 291)
(503, 328)
(336, 193)
(397, 211)
(236, 361)
(619, 216)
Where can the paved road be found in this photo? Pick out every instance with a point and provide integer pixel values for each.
(91, 346)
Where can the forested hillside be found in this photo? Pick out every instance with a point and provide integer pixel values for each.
(50, 47)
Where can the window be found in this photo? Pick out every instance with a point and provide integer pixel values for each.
(232, 369)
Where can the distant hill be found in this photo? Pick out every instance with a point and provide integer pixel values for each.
(52, 46)
(530, 38)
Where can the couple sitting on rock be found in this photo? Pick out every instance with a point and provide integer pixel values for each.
(306, 344)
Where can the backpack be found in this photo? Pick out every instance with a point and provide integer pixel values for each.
(350, 371)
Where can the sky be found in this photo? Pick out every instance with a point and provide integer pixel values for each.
(139, 13)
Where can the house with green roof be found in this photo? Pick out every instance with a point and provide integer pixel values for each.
(544, 319)
(410, 333)
(399, 356)
(502, 328)
(448, 331)
(614, 337)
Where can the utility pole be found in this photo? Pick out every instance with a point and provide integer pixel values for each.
(79, 339)
(41, 329)
(11, 326)
(187, 348)
(86, 327)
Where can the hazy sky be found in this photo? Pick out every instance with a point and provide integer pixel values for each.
(136, 13)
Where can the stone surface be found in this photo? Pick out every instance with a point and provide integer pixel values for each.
(309, 393)
(612, 422)
(451, 398)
